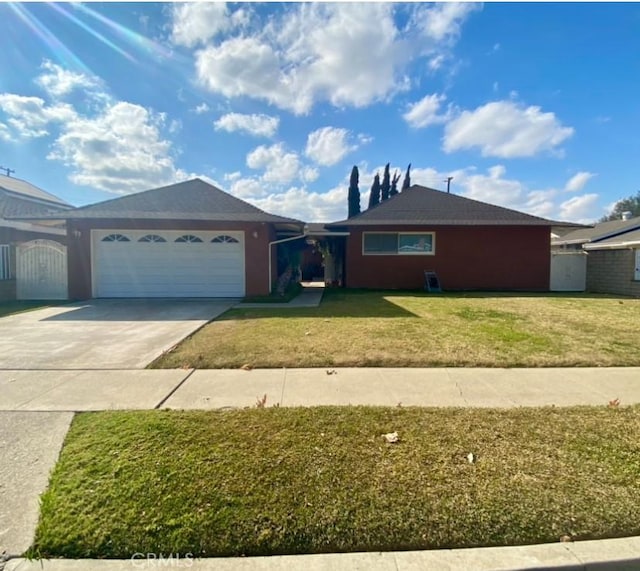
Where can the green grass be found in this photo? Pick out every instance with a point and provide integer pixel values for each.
(415, 329)
(278, 481)
(11, 307)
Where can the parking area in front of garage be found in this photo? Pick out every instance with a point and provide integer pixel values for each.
(102, 333)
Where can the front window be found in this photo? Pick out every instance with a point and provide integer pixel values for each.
(398, 243)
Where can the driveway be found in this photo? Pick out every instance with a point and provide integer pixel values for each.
(101, 334)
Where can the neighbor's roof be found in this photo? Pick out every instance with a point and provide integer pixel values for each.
(23, 189)
(600, 231)
(190, 200)
(626, 240)
(422, 206)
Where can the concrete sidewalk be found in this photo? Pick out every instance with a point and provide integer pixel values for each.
(74, 391)
(611, 555)
(310, 296)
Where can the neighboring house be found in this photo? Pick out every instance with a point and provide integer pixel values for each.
(613, 264)
(20, 199)
(576, 239)
(610, 253)
(188, 239)
(469, 244)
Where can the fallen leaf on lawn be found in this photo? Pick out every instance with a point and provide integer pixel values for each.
(307, 332)
(391, 437)
(614, 403)
(246, 367)
(331, 372)
(471, 458)
(566, 539)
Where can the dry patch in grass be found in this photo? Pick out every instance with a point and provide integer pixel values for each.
(358, 329)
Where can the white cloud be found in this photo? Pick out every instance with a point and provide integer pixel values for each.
(579, 208)
(250, 187)
(578, 180)
(121, 150)
(505, 129)
(5, 134)
(200, 109)
(279, 165)
(196, 22)
(30, 116)
(443, 20)
(328, 145)
(425, 112)
(255, 124)
(296, 58)
(57, 81)
(306, 205)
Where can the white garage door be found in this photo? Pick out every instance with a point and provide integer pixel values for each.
(161, 263)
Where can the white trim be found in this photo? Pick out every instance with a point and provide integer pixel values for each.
(614, 246)
(17, 225)
(398, 252)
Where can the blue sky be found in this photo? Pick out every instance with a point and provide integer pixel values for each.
(531, 106)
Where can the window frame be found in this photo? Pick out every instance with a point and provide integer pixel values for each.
(398, 252)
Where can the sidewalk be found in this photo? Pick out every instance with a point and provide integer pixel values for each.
(610, 555)
(310, 296)
(76, 391)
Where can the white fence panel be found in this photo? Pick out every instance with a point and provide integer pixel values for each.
(41, 270)
(568, 271)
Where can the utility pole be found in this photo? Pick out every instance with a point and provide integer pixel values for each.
(448, 181)
(7, 170)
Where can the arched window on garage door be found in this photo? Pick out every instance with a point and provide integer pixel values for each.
(116, 238)
(224, 239)
(152, 238)
(188, 238)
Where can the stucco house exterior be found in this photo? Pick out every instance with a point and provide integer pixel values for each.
(20, 199)
(188, 239)
(468, 243)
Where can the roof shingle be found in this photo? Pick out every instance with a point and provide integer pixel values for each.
(599, 232)
(422, 206)
(189, 200)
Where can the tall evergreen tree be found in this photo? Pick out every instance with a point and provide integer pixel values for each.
(374, 196)
(406, 183)
(394, 184)
(354, 193)
(386, 183)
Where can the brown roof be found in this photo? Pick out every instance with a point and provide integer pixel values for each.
(189, 200)
(598, 232)
(422, 206)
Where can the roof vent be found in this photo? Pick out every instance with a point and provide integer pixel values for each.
(626, 215)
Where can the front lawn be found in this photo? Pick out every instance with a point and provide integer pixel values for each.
(278, 480)
(392, 329)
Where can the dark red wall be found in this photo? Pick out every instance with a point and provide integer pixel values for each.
(466, 257)
(79, 249)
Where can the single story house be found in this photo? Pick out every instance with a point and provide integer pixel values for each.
(610, 252)
(468, 244)
(188, 239)
(19, 199)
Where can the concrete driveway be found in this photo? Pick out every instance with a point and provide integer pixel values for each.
(101, 334)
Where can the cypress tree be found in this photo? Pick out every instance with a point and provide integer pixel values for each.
(354, 193)
(406, 183)
(386, 183)
(374, 196)
(394, 184)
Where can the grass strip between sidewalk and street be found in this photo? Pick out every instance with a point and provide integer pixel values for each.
(273, 480)
(354, 328)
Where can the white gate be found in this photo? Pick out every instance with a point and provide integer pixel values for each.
(41, 270)
(568, 271)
